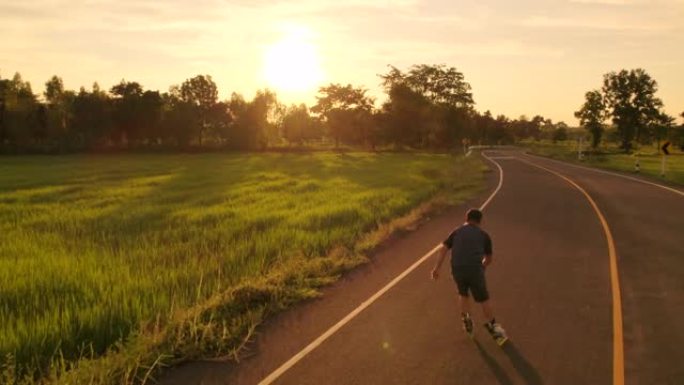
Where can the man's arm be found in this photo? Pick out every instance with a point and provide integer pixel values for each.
(488, 252)
(487, 260)
(443, 249)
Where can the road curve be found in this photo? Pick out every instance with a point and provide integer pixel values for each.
(550, 285)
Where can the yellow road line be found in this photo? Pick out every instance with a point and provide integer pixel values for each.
(618, 347)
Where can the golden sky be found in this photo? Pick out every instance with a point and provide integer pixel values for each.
(521, 57)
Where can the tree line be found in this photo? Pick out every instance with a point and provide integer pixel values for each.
(427, 107)
(628, 100)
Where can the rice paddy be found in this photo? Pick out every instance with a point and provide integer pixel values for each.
(95, 249)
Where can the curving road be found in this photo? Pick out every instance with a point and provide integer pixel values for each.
(551, 287)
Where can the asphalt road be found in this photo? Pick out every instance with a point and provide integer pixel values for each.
(551, 290)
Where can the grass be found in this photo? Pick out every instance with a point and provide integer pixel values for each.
(113, 266)
(611, 158)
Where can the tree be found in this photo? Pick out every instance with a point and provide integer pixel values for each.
(502, 132)
(525, 128)
(298, 126)
(547, 128)
(92, 118)
(54, 89)
(220, 120)
(178, 119)
(137, 114)
(433, 104)
(407, 116)
(19, 105)
(630, 97)
(59, 105)
(591, 116)
(346, 111)
(127, 112)
(660, 129)
(150, 118)
(4, 87)
(437, 83)
(252, 120)
(678, 136)
(560, 132)
(201, 92)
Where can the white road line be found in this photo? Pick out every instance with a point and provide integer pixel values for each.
(498, 187)
(674, 190)
(318, 341)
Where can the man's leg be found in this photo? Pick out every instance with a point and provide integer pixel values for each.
(481, 296)
(464, 302)
(487, 310)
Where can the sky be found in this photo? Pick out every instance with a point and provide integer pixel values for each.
(521, 57)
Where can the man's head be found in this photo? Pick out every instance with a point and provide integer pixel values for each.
(474, 216)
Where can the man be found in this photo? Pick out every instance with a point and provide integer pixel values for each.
(471, 253)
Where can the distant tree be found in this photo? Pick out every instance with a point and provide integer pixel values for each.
(524, 128)
(490, 130)
(547, 128)
(4, 88)
(59, 106)
(661, 128)
(54, 89)
(124, 89)
(441, 100)
(560, 132)
(201, 92)
(150, 117)
(238, 135)
(92, 118)
(630, 98)
(591, 116)
(127, 112)
(19, 106)
(137, 114)
(252, 120)
(220, 120)
(678, 136)
(502, 132)
(298, 126)
(179, 119)
(40, 124)
(407, 116)
(346, 111)
(437, 83)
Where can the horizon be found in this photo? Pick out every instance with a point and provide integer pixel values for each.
(531, 58)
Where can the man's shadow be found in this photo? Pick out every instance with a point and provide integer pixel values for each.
(494, 366)
(521, 365)
(524, 368)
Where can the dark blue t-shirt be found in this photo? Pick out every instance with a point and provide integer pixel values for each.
(468, 244)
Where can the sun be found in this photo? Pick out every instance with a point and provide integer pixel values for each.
(292, 65)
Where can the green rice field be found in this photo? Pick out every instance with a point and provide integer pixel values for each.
(148, 254)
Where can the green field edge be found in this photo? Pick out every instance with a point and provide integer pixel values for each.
(645, 175)
(224, 325)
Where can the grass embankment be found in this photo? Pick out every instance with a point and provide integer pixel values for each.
(611, 158)
(112, 266)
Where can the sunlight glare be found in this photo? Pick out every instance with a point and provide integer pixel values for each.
(292, 64)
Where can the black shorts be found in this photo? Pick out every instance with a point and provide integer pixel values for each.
(471, 279)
